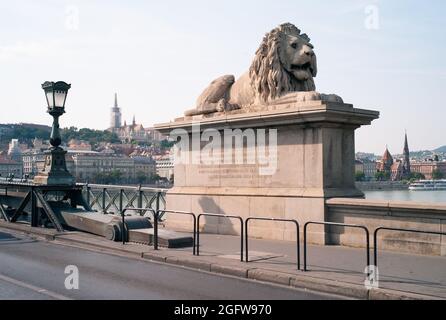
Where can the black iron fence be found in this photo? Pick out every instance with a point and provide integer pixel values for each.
(112, 199)
(194, 219)
(220, 216)
(339, 225)
(375, 238)
(272, 220)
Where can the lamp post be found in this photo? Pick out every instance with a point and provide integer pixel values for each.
(55, 169)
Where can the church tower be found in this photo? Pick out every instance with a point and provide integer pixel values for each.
(115, 122)
(406, 160)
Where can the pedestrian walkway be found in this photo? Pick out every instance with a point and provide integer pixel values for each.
(397, 271)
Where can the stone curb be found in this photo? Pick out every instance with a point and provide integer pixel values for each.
(296, 281)
(270, 276)
(385, 294)
(45, 233)
(230, 270)
(351, 290)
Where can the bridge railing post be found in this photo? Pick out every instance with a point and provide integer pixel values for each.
(140, 196)
(104, 190)
(88, 194)
(34, 209)
(155, 221)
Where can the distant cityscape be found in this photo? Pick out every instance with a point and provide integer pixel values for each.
(407, 166)
(122, 154)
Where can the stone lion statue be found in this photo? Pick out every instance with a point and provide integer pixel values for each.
(284, 64)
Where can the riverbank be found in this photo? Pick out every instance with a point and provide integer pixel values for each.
(382, 185)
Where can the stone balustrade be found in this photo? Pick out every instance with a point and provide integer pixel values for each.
(374, 214)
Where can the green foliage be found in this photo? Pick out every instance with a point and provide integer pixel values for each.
(382, 176)
(415, 176)
(113, 177)
(142, 178)
(90, 135)
(25, 133)
(437, 174)
(359, 176)
(166, 144)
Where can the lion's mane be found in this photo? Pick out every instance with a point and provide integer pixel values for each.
(269, 79)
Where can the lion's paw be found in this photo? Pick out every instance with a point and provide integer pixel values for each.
(331, 98)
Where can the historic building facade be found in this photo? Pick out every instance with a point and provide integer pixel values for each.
(126, 133)
(88, 166)
(10, 168)
(396, 170)
(165, 166)
(428, 168)
(131, 132)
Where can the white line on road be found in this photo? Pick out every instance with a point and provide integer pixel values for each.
(34, 288)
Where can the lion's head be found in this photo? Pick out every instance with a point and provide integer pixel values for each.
(285, 62)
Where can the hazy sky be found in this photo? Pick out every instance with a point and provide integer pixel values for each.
(159, 56)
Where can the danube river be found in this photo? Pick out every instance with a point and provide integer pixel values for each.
(407, 195)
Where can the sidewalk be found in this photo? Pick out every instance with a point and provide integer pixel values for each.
(332, 269)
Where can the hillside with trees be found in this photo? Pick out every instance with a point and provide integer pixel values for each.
(90, 135)
(27, 132)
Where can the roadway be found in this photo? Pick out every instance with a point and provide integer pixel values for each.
(31, 270)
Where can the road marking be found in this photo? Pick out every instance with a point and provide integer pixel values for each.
(34, 288)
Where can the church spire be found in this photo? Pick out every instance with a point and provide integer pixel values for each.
(115, 115)
(406, 145)
(134, 121)
(406, 160)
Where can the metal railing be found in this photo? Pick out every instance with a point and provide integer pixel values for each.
(338, 225)
(277, 220)
(220, 216)
(375, 238)
(125, 231)
(113, 198)
(156, 218)
(155, 224)
(194, 222)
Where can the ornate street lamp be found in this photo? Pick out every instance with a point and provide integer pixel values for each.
(55, 170)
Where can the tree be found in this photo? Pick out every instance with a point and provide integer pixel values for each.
(113, 177)
(359, 176)
(24, 132)
(166, 144)
(141, 177)
(437, 174)
(90, 135)
(415, 176)
(382, 176)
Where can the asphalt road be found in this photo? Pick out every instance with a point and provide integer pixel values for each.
(36, 270)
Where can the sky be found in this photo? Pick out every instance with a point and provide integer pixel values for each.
(159, 56)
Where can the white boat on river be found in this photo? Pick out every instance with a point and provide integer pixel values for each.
(428, 185)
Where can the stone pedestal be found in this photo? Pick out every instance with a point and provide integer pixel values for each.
(55, 171)
(314, 161)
